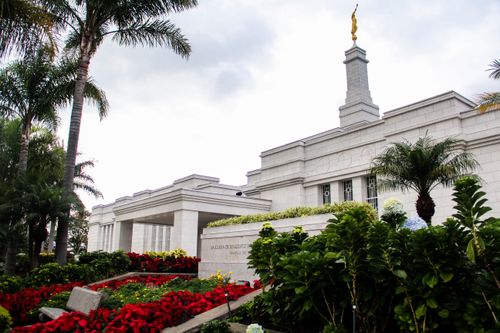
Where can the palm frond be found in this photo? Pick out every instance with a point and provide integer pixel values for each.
(495, 69)
(96, 96)
(153, 33)
(488, 102)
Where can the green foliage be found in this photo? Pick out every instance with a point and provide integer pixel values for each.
(421, 166)
(470, 202)
(11, 284)
(5, 320)
(106, 264)
(216, 326)
(400, 280)
(58, 300)
(295, 212)
(132, 293)
(48, 274)
(54, 273)
(167, 255)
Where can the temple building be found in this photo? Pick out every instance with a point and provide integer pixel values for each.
(327, 167)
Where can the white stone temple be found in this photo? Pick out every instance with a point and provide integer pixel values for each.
(327, 167)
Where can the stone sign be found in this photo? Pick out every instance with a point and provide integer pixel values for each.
(227, 248)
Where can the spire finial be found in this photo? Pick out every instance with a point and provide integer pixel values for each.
(354, 24)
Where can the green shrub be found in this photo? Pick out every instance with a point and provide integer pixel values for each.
(5, 320)
(399, 280)
(48, 274)
(167, 255)
(297, 212)
(80, 272)
(11, 284)
(105, 264)
(216, 326)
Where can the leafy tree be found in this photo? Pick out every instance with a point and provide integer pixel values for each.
(31, 90)
(421, 166)
(78, 231)
(23, 26)
(132, 22)
(83, 182)
(491, 101)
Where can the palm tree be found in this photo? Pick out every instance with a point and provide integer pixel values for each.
(33, 89)
(128, 22)
(491, 101)
(83, 182)
(421, 166)
(23, 26)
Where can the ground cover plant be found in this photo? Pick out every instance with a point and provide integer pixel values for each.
(435, 279)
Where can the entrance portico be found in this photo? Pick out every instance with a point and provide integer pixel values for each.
(168, 218)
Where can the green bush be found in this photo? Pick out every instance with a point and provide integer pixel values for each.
(48, 274)
(297, 212)
(105, 264)
(215, 326)
(5, 320)
(80, 272)
(399, 280)
(11, 284)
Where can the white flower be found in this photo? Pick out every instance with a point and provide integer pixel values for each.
(254, 328)
(414, 223)
(393, 206)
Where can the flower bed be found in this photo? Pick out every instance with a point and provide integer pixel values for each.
(21, 303)
(171, 309)
(171, 264)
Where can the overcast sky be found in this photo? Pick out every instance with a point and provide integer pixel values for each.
(267, 72)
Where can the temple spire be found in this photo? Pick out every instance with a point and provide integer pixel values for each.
(358, 107)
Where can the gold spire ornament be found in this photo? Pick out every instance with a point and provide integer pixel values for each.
(354, 24)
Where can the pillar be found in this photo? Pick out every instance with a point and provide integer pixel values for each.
(184, 233)
(122, 236)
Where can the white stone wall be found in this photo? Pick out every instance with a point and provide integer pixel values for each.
(227, 248)
(341, 154)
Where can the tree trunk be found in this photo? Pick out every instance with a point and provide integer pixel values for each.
(39, 237)
(31, 252)
(69, 166)
(52, 234)
(10, 257)
(23, 147)
(425, 207)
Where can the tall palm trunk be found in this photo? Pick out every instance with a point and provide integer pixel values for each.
(22, 167)
(425, 207)
(69, 166)
(10, 256)
(52, 233)
(23, 149)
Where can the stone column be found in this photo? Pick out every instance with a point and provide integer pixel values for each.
(184, 233)
(337, 192)
(122, 236)
(357, 189)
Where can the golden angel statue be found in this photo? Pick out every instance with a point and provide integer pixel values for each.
(354, 24)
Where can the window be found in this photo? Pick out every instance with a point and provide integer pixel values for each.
(348, 190)
(371, 190)
(327, 196)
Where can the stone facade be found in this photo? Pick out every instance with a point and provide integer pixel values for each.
(327, 167)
